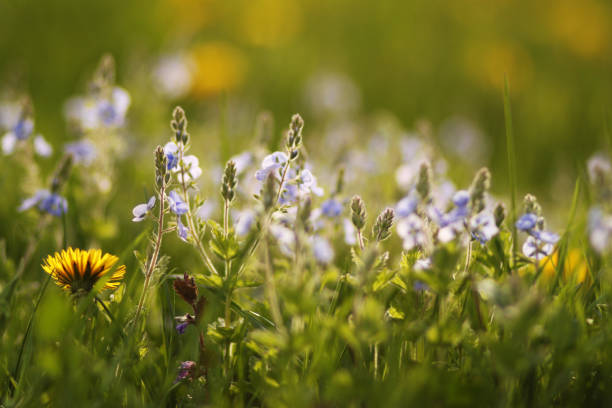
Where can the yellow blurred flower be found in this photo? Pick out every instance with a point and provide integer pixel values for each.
(77, 271)
(583, 26)
(487, 63)
(574, 269)
(271, 23)
(218, 67)
(190, 16)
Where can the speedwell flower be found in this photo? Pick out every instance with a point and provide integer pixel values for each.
(141, 210)
(46, 201)
(77, 271)
(483, 227)
(177, 205)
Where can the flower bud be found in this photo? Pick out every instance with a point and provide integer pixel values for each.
(179, 125)
(499, 214)
(358, 211)
(480, 186)
(383, 224)
(230, 181)
(531, 205)
(423, 186)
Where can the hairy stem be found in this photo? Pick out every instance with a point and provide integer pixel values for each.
(153, 260)
(190, 221)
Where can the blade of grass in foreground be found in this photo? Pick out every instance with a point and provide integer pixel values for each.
(511, 167)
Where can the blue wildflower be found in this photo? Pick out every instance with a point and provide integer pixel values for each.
(461, 198)
(600, 229)
(111, 112)
(83, 151)
(536, 249)
(406, 206)
(245, 221)
(527, 222)
(171, 151)
(42, 147)
(331, 208)
(412, 230)
(183, 231)
(23, 129)
(181, 327)
(270, 163)
(350, 232)
(141, 210)
(186, 370)
(483, 227)
(322, 250)
(546, 236)
(46, 201)
(176, 203)
(307, 183)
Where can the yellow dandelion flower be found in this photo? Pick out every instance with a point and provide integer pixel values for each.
(77, 270)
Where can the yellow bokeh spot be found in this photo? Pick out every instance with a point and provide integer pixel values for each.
(271, 23)
(190, 15)
(487, 63)
(218, 67)
(582, 26)
(575, 268)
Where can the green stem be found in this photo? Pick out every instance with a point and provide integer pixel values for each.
(190, 221)
(153, 260)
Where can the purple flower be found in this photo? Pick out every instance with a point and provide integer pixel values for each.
(412, 230)
(111, 112)
(42, 147)
(46, 201)
(171, 152)
(527, 222)
(458, 214)
(141, 210)
(600, 229)
(176, 203)
(270, 163)
(245, 222)
(483, 227)
(461, 198)
(546, 236)
(23, 129)
(186, 370)
(350, 232)
(82, 151)
(307, 183)
(322, 250)
(181, 327)
(406, 206)
(331, 208)
(183, 231)
(536, 249)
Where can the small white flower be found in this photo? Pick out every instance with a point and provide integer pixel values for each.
(42, 147)
(322, 250)
(412, 230)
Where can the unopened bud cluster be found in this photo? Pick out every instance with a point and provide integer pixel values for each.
(531, 205)
(228, 186)
(162, 176)
(478, 190)
(383, 224)
(294, 136)
(358, 211)
(179, 125)
(423, 186)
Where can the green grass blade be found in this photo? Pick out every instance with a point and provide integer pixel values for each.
(511, 167)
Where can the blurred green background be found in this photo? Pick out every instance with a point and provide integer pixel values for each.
(418, 59)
